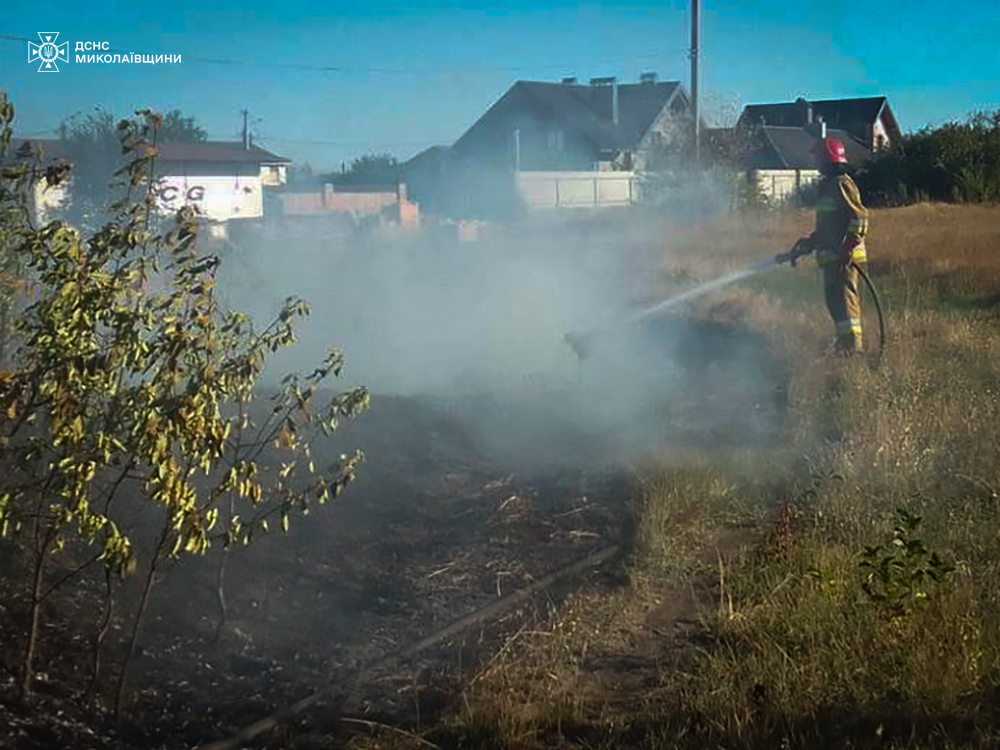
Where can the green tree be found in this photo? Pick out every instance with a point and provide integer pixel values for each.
(91, 142)
(19, 174)
(370, 169)
(301, 174)
(180, 129)
(956, 162)
(129, 373)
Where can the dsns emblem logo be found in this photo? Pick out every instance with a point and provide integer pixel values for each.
(48, 52)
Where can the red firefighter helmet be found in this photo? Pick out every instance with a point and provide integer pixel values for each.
(830, 150)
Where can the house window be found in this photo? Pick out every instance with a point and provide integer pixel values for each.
(556, 140)
(271, 174)
(679, 107)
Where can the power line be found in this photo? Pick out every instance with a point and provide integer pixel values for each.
(343, 69)
(259, 139)
(313, 142)
(461, 70)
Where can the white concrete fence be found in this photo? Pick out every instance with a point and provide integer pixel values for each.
(784, 185)
(542, 190)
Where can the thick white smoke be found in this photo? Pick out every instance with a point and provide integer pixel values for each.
(479, 327)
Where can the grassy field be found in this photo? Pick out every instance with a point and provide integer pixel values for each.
(818, 650)
(859, 602)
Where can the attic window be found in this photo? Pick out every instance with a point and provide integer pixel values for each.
(678, 107)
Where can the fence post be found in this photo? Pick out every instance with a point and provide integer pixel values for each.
(556, 180)
(595, 193)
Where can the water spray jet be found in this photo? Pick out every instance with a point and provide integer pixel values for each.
(582, 343)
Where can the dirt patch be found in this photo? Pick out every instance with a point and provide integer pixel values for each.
(629, 668)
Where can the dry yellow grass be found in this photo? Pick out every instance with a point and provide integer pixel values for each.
(960, 236)
(952, 235)
(936, 249)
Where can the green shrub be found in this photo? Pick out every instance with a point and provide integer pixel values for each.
(958, 162)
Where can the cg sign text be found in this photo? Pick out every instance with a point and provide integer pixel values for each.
(170, 193)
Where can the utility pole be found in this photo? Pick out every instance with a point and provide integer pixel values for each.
(695, 54)
(248, 126)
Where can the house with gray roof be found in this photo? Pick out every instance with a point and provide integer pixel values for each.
(781, 163)
(774, 142)
(606, 125)
(781, 147)
(561, 133)
(868, 120)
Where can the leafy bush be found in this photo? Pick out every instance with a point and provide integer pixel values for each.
(905, 575)
(130, 386)
(957, 162)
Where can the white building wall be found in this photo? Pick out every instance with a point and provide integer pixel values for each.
(217, 194)
(48, 201)
(781, 185)
(666, 131)
(880, 136)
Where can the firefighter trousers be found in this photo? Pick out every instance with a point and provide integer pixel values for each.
(843, 301)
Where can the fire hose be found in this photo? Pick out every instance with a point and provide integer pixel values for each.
(878, 308)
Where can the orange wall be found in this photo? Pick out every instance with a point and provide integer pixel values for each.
(331, 201)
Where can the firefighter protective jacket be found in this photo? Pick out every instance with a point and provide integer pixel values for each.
(841, 221)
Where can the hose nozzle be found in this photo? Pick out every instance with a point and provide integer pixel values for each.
(798, 250)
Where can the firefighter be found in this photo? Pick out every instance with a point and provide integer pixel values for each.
(839, 242)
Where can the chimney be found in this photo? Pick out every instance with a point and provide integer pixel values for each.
(650, 77)
(806, 108)
(569, 81)
(614, 102)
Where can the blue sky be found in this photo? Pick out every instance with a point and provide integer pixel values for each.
(417, 74)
